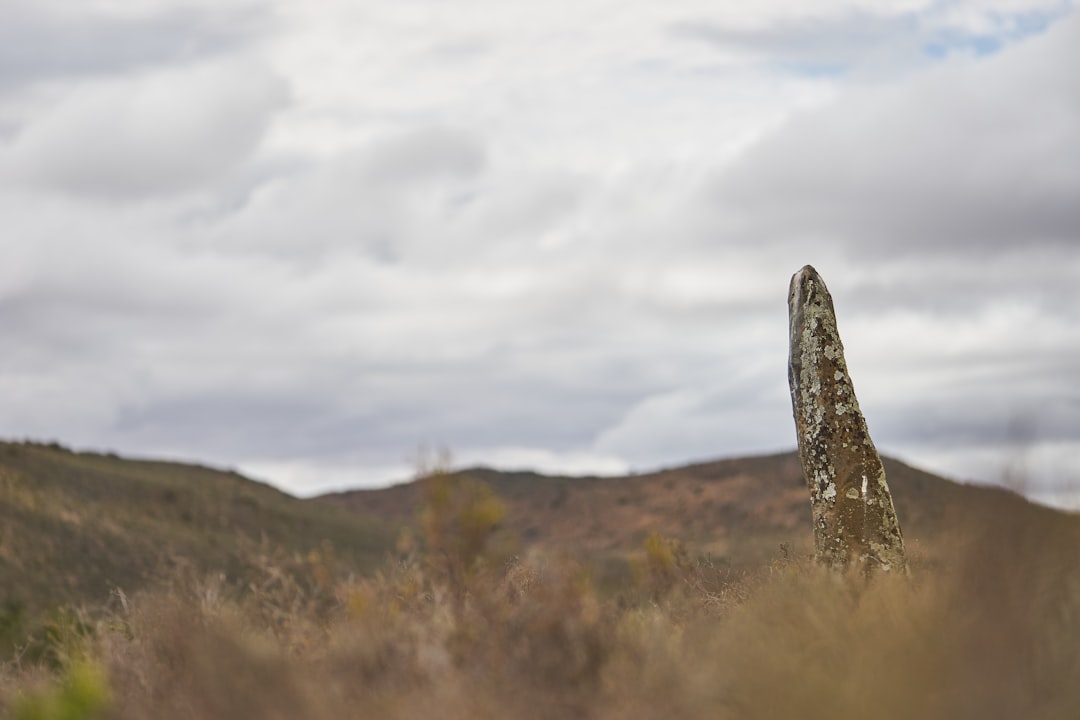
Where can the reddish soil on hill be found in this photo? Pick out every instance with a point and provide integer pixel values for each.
(739, 510)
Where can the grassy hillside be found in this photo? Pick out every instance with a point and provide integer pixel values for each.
(989, 633)
(452, 628)
(73, 526)
(739, 511)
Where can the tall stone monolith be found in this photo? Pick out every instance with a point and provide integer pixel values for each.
(854, 519)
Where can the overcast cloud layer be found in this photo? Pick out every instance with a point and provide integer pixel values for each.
(303, 239)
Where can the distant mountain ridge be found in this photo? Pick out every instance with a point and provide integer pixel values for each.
(741, 510)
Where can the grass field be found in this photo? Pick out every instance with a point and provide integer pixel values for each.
(451, 628)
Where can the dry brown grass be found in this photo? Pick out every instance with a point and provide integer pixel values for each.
(992, 633)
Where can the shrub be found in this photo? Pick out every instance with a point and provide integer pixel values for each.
(991, 632)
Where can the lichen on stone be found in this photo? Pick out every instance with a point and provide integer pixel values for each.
(854, 519)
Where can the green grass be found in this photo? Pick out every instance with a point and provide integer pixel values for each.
(76, 526)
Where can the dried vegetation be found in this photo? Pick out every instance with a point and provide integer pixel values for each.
(452, 628)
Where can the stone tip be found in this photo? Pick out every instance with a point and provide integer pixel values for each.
(804, 284)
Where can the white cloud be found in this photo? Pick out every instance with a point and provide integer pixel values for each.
(45, 40)
(153, 132)
(971, 154)
(557, 235)
(748, 416)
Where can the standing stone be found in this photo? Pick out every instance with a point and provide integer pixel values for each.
(854, 519)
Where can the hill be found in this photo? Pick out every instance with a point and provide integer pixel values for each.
(740, 511)
(74, 526)
(986, 633)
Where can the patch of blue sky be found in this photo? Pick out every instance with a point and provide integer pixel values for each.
(980, 45)
(1009, 28)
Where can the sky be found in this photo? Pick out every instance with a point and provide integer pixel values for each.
(308, 240)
